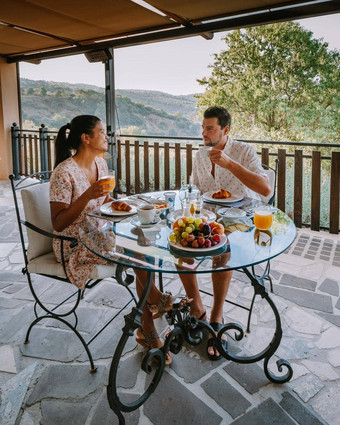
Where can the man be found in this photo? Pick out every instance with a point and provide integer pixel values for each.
(233, 166)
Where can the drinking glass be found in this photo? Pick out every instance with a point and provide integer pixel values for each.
(263, 218)
(109, 180)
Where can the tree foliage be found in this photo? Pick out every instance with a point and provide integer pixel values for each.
(278, 82)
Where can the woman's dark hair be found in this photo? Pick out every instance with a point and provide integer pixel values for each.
(79, 125)
(222, 115)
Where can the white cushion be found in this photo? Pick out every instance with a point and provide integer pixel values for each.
(47, 264)
(37, 211)
(271, 178)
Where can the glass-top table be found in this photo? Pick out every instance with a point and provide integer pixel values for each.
(120, 241)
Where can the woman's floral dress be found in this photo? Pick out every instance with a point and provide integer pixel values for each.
(67, 183)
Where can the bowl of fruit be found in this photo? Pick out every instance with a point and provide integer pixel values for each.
(197, 234)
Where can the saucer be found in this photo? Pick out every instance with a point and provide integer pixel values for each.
(135, 222)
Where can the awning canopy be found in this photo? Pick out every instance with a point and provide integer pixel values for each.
(40, 29)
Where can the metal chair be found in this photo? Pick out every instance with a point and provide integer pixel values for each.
(40, 259)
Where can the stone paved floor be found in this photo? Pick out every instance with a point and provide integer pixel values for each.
(47, 381)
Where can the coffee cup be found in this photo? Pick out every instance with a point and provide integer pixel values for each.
(146, 213)
(204, 151)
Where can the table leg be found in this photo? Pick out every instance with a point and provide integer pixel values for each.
(269, 351)
(132, 322)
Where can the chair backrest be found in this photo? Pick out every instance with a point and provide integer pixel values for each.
(36, 204)
(271, 174)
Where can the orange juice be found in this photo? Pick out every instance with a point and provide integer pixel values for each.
(263, 219)
(110, 181)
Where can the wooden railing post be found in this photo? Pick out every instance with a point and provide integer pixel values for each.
(156, 164)
(15, 149)
(43, 148)
(265, 156)
(178, 177)
(127, 167)
(334, 192)
(137, 169)
(119, 165)
(188, 161)
(166, 166)
(146, 167)
(298, 173)
(281, 179)
(315, 190)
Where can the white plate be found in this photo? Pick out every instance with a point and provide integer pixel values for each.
(231, 212)
(135, 222)
(203, 250)
(208, 215)
(154, 201)
(107, 210)
(233, 198)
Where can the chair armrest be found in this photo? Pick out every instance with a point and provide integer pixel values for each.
(31, 226)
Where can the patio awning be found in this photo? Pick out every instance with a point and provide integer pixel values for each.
(40, 29)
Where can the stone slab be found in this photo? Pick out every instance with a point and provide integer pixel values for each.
(298, 282)
(15, 287)
(307, 299)
(13, 394)
(330, 286)
(231, 400)
(192, 363)
(103, 415)
(56, 412)
(250, 376)
(7, 360)
(329, 339)
(307, 387)
(52, 344)
(66, 382)
(185, 407)
(327, 405)
(7, 276)
(331, 318)
(266, 413)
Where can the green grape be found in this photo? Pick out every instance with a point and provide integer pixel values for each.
(190, 220)
(192, 226)
(180, 222)
(188, 229)
(172, 238)
(198, 221)
(184, 235)
(177, 232)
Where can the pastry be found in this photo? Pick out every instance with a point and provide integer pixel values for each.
(222, 193)
(120, 206)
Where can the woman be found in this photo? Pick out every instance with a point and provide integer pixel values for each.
(74, 192)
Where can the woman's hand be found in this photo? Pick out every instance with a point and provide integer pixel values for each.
(96, 190)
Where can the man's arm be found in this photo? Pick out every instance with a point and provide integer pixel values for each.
(253, 181)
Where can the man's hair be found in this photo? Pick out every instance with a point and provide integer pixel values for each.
(222, 115)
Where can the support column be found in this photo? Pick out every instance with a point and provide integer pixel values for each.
(9, 113)
(111, 111)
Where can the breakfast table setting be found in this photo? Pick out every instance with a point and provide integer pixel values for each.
(178, 232)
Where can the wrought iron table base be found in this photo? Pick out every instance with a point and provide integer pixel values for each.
(188, 328)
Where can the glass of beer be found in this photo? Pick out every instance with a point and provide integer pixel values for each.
(263, 218)
(108, 181)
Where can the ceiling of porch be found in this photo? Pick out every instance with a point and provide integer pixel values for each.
(40, 29)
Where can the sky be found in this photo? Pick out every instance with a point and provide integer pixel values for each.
(169, 66)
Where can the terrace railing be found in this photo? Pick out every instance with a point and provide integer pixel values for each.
(307, 181)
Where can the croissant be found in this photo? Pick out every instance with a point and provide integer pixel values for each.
(222, 193)
(120, 206)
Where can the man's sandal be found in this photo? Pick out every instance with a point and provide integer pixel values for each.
(148, 340)
(211, 343)
(166, 302)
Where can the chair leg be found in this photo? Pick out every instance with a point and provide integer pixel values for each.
(93, 368)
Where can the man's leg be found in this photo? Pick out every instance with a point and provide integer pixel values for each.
(220, 282)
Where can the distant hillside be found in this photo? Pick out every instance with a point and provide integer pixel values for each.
(138, 111)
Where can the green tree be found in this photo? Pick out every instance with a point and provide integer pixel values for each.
(278, 82)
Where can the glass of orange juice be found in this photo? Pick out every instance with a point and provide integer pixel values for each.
(263, 218)
(109, 180)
